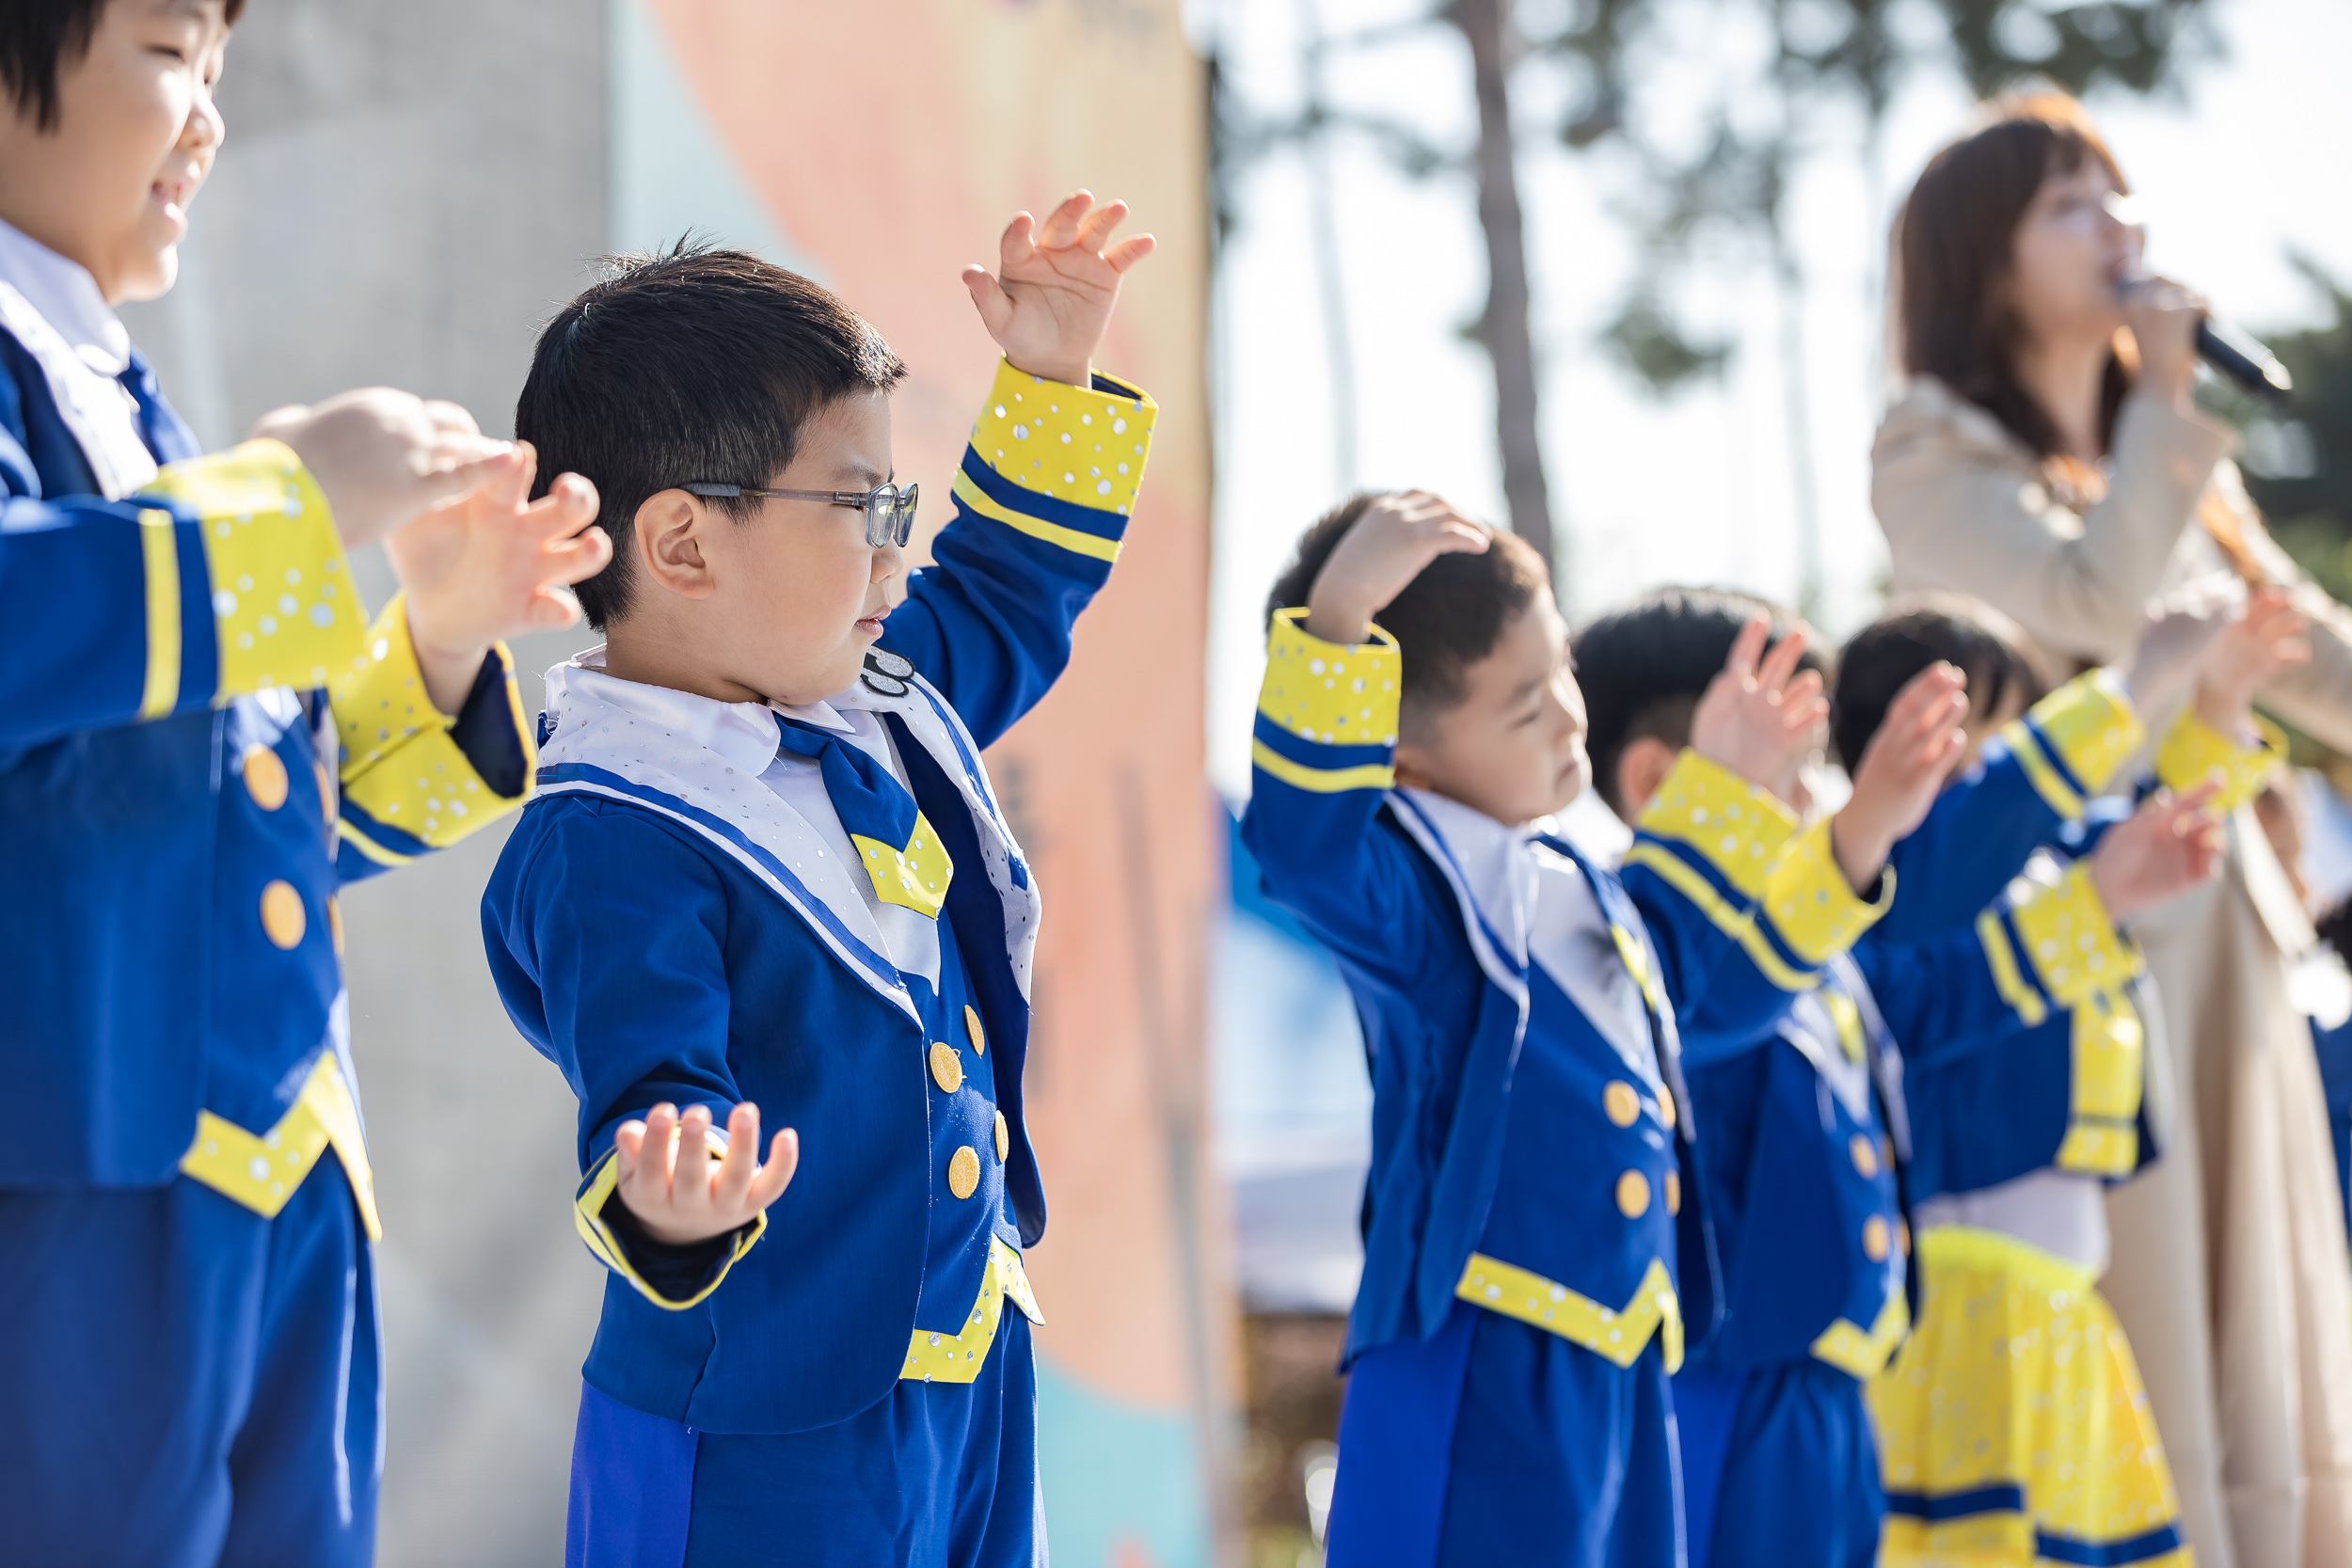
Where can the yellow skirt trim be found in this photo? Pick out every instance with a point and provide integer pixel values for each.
(2012, 1428)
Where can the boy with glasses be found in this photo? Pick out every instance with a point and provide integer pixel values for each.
(767, 869)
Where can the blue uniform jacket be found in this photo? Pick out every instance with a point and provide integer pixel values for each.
(654, 953)
(200, 740)
(1735, 916)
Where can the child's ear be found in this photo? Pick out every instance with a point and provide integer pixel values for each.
(1642, 767)
(668, 534)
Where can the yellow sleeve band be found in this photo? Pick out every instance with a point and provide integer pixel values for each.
(401, 766)
(1811, 904)
(1331, 694)
(2090, 722)
(2193, 751)
(159, 551)
(2074, 947)
(1079, 445)
(1736, 826)
(588, 1218)
(2001, 959)
(285, 610)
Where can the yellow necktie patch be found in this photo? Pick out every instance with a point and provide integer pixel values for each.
(914, 877)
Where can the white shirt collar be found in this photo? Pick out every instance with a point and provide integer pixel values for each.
(744, 733)
(68, 298)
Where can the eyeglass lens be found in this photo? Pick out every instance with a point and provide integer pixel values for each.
(890, 515)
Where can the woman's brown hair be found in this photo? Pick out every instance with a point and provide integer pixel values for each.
(1954, 239)
(1953, 243)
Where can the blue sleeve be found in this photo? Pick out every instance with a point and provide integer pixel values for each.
(1321, 767)
(2034, 779)
(1743, 909)
(1039, 505)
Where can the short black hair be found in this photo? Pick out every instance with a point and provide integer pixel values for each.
(1644, 668)
(695, 364)
(1446, 620)
(38, 37)
(1920, 629)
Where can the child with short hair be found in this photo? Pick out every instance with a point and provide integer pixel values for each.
(1806, 1121)
(2013, 1423)
(1536, 1255)
(202, 738)
(766, 868)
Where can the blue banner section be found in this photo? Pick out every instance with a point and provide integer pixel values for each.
(1123, 1481)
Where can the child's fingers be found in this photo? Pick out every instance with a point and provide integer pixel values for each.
(1060, 227)
(784, 1157)
(1782, 662)
(735, 1167)
(988, 297)
(689, 1179)
(628, 1142)
(657, 1153)
(1127, 252)
(552, 608)
(1741, 662)
(1094, 230)
(1018, 242)
(581, 556)
(1804, 689)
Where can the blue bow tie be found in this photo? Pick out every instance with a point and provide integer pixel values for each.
(895, 842)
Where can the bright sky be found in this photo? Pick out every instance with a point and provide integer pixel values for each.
(2244, 168)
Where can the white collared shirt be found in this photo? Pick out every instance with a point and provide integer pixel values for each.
(53, 307)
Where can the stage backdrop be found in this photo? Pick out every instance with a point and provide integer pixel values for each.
(406, 192)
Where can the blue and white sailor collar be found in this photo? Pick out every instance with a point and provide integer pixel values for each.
(52, 306)
(1524, 902)
(698, 760)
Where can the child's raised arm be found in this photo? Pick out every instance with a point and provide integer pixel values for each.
(1047, 485)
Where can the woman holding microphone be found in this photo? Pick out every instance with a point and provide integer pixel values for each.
(2043, 456)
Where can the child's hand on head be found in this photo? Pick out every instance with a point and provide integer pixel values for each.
(383, 457)
(679, 1192)
(2166, 846)
(1374, 561)
(1901, 771)
(2266, 639)
(1054, 285)
(492, 564)
(1763, 719)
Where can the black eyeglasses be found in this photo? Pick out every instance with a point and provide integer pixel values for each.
(889, 510)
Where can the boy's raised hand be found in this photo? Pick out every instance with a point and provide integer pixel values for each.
(1901, 771)
(2166, 846)
(1054, 285)
(493, 564)
(679, 1192)
(1386, 549)
(384, 457)
(2264, 639)
(1760, 717)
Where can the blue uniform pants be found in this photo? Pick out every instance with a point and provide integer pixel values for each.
(1495, 1442)
(184, 1383)
(938, 1475)
(1782, 1467)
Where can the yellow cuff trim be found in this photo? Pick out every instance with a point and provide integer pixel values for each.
(2110, 1048)
(957, 1358)
(1863, 1355)
(916, 877)
(1617, 1335)
(1323, 781)
(1071, 539)
(400, 766)
(2091, 724)
(2193, 750)
(1737, 827)
(1072, 443)
(588, 1218)
(159, 549)
(1739, 925)
(2072, 946)
(1810, 903)
(2001, 959)
(285, 610)
(1331, 694)
(263, 1172)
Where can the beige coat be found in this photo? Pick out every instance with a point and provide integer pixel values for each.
(2230, 1268)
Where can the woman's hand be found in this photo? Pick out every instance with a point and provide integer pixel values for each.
(1375, 560)
(2266, 639)
(2164, 316)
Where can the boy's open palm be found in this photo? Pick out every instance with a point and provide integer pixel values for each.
(2166, 846)
(1396, 537)
(1901, 771)
(382, 457)
(1054, 284)
(1760, 717)
(680, 1190)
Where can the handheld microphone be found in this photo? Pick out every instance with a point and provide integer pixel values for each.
(2232, 354)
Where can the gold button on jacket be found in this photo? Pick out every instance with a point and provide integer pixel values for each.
(1633, 1195)
(947, 1066)
(1004, 1138)
(964, 1172)
(1621, 1102)
(281, 916)
(265, 777)
(1874, 1239)
(1866, 1157)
